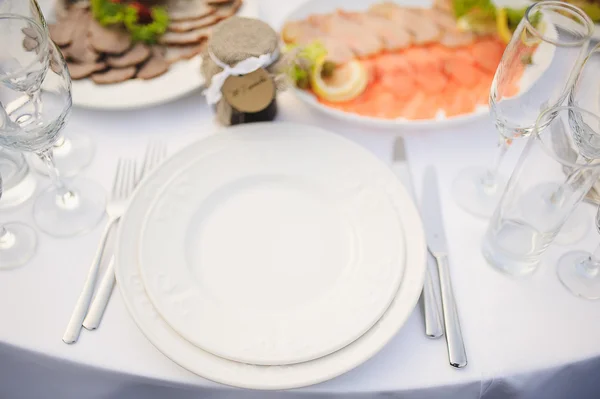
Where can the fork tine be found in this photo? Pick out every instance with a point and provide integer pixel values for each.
(150, 149)
(155, 152)
(115, 190)
(127, 177)
(132, 177)
(160, 154)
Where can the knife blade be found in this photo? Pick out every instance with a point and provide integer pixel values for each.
(431, 312)
(438, 246)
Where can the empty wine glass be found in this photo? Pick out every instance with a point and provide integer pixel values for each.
(35, 102)
(17, 243)
(579, 271)
(584, 94)
(536, 72)
(73, 150)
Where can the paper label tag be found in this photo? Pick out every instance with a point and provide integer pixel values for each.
(249, 93)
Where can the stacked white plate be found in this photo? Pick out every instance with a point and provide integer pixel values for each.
(271, 256)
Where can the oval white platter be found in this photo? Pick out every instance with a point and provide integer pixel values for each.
(182, 78)
(440, 121)
(219, 369)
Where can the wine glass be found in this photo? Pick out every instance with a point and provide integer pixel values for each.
(73, 151)
(35, 102)
(536, 72)
(17, 243)
(579, 271)
(584, 94)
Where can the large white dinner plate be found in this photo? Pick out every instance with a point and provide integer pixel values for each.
(310, 7)
(182, 78)
(221, 370)
(279, 244)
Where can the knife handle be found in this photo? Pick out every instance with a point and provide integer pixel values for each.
(431, 312)
(454, 339)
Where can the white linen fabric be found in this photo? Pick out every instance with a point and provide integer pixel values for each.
(525, 338)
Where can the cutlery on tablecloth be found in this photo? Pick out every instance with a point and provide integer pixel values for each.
(155, 154)
(431, 312)
(125, 180)
(436, 242)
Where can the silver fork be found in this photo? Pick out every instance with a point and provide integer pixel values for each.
(155, 153)
(125, 181)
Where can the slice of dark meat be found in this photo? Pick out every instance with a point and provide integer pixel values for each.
(180, 10)
(80, 49)
(217, 2)
(177, 53)
(183, 38)
(114, 75)
(228, 9)
(62, 33)
(155, 66)
(108, 40)
(186, 26)
(80, 71)
(134, 56)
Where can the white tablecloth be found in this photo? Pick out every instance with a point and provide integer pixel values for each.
(526, 338)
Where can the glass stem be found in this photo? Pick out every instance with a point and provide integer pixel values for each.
(490, 179)
(65, 197)
(6, 238)
(591, 265)
(37, 102)
(557, 196)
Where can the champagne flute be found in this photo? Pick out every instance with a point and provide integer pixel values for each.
(536, 72)
(35, 102)
(73, 151)
(17, 243)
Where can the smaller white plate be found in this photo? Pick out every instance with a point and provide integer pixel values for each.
(182, 78)
(276, 246)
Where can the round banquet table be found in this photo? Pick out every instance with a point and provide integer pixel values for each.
(525, 338)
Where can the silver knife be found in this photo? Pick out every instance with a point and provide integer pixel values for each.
(431, 213)
(431, 312)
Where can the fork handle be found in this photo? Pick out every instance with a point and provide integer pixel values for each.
(83, 302)
(433, 323)
(94, 315)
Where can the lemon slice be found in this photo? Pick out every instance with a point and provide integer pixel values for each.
(347, 81)
(502, 25)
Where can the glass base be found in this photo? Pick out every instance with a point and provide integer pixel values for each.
(18, 194)
(471, 194)
(18, 184)
(74, 213)
(577, 280)
(575, 228)
(18, 247)
(509, 253)
(74, 155)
